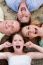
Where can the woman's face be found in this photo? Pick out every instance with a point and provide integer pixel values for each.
(30, 31)
(18, 42)
(23, 14)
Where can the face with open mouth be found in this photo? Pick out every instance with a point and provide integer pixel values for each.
(30, 31)
(18, 42)
(23, 14)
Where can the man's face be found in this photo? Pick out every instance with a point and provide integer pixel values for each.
(11, 26)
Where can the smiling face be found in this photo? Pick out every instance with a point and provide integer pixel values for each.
(23, 13)
(11, 27)
(18, 43)
(29, 31)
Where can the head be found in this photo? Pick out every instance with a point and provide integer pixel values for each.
(18, 43)
(12, 26)
(23, 14)
(29, 31)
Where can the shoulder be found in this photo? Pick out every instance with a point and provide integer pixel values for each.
(30, 54)
(7, 54)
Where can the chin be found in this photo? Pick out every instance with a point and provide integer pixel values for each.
(18, 50)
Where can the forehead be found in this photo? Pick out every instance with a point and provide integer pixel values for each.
(17, 36)
(30, 27)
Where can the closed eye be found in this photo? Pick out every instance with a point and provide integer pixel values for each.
(15, 40)
(20, 40)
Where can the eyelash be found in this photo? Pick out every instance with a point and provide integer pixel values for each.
(15, 40)
(19, 40)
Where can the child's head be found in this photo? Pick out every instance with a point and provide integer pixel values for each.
(18, 42)
(29, 31)
(23, 13)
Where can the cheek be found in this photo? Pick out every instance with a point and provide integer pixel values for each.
(22, 45)
(14, 43)
(19, 14)
(22, 42)
(33, 35)
(30, 34)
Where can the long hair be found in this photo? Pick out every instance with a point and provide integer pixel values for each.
(24, 24)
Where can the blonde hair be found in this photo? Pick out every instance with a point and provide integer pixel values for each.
(35, 22)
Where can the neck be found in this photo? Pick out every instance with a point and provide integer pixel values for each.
(18, 52)
(23, 3)
(23, 0)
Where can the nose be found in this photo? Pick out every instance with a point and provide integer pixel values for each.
(17, 42)
(31, 31)
(11, 25)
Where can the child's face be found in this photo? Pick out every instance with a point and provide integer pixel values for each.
(23, 14)
(18, 42)
(29, 31)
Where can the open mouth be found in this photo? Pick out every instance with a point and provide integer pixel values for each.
(18, 47)
(23, 8)
(35, 31)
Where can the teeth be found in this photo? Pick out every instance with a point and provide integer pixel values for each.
(17, 46)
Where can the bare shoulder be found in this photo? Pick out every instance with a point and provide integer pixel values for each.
(35, 55)
(8, 54)
(30, 54)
